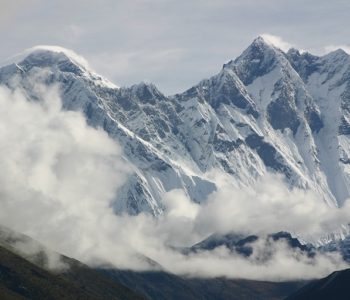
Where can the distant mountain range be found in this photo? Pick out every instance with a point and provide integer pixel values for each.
(264, 111)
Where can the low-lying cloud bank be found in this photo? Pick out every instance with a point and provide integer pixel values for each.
(59, 177)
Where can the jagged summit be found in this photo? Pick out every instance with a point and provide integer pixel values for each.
(262, 56)
(261, 45)
(261, 41)
(259, 58)
(258, 46)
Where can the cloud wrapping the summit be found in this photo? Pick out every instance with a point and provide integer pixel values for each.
(277, 41)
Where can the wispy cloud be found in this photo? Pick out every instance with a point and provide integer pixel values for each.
(277, 41)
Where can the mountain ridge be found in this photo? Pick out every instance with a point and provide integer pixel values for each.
(261, 113)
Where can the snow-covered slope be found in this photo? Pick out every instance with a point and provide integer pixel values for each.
(262, 117)
(264, 111)
(328, 82)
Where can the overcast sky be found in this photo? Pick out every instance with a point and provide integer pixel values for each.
(172, 43)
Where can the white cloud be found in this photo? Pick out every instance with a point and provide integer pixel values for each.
(283, 264)
(270, 206)
(277, 41)
(59, 178)
(178, 205)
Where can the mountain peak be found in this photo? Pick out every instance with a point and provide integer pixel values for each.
(259, 49)
(56, 57)
(56, 53)
(47, 56)
(270, 42)
(260, 40)
(260, 45)
(258, 59)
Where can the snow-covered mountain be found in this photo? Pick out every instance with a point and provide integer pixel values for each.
(264, 111)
